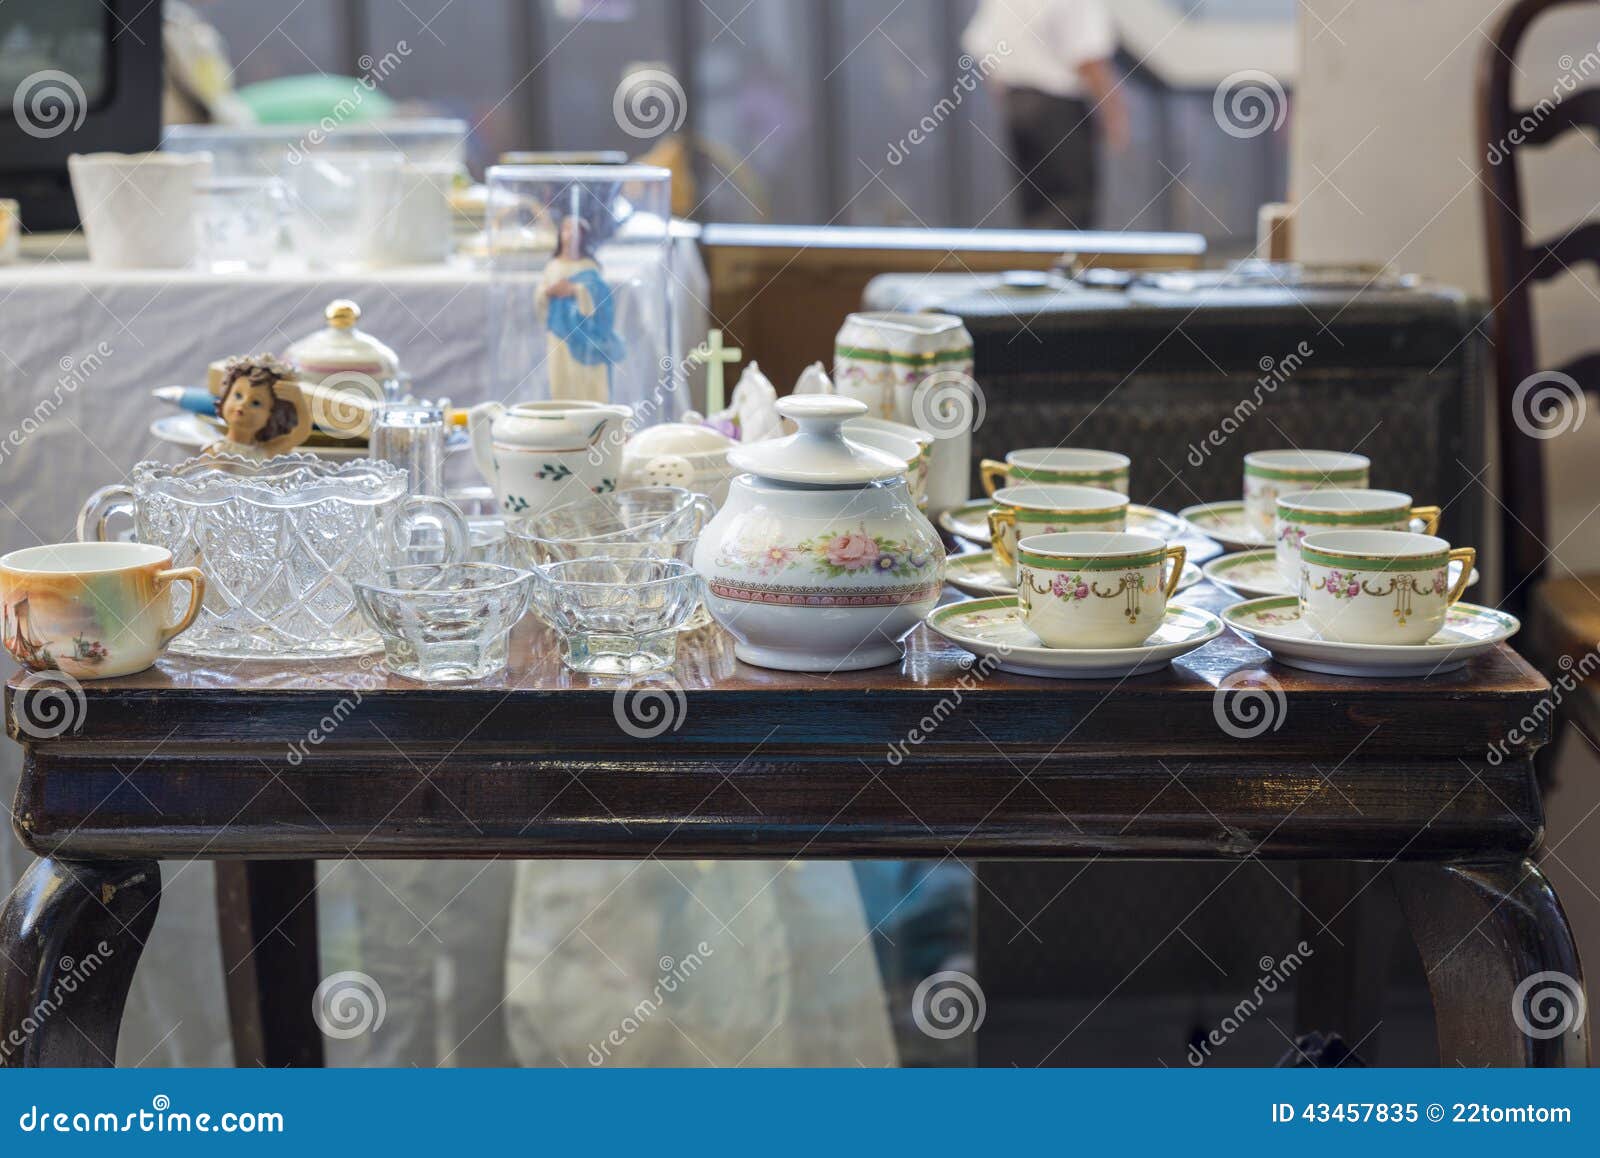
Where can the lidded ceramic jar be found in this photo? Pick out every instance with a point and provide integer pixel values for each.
(819, 559)
(340, 349)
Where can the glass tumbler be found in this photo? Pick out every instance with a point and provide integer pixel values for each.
(239, 222)
(445, 622)
(344, 208)
(617, 616)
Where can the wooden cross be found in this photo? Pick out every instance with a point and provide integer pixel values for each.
(714, 354)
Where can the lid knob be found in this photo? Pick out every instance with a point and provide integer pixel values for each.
(342, 313)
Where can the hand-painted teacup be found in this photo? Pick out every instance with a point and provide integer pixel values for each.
(1379, 586)
(1310, 512)
(1269, 474)
(1044, 510)
(1065, 465)
(1095, 588)
(92, 610)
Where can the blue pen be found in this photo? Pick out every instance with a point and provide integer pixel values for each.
(195, 399)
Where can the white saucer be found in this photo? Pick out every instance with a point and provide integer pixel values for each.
(971, 521)
(977, 573)
(992, 629)
(192, 432)
(1274, 623)
(1224, 522)
(1249, 574)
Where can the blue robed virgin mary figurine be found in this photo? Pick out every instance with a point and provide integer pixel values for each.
(581, 341)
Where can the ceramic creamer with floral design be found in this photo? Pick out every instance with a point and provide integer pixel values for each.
(1303, 513)
(1379, 586)
(539, 455)
(1063, 465)
(1271, 474)
(92, 610)
(1045, 510)
(1096, 588)
(819, 560)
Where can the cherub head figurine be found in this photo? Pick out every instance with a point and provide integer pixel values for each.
(262, 407)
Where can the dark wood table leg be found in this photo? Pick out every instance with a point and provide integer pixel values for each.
(70, 937)
(1350, 924)
(267, 916)
(1501, 963)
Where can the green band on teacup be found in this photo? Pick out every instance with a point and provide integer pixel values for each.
(1091, 562)
(1375, 562)
(1047, 474)
(933, 357)
(1302, 474)
(1345, 518)
(1025, 515)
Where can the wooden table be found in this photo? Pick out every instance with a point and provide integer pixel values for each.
(264, 767)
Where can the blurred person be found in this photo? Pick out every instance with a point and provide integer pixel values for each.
(1059, 91)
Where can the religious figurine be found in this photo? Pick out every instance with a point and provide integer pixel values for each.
(581, 341)
(265, 412)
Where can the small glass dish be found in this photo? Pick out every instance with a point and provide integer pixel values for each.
(445, 622)
(640, 512)
(532, 551)
(617, 616)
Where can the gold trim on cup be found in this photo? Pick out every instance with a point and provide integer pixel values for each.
(1467, 557)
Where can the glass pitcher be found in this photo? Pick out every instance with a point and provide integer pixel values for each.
(279, 541)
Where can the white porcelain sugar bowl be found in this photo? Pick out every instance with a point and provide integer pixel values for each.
(819, 559)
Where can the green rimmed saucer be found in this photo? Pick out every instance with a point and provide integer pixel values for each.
(1253, 574)
(971, 521)
(993, 630)
(1274, 624)
(1224, 522)
(978, 573)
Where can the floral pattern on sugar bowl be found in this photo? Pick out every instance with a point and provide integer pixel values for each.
(756, 546)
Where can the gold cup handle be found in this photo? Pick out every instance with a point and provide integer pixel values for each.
(994, 475)
(1001, 517)
(1467, 556)
(1429, 517)
(197, 597)
(1179, 556)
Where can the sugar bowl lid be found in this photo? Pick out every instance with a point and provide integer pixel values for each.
(818, 453)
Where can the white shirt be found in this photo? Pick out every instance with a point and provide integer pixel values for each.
(1039, 44)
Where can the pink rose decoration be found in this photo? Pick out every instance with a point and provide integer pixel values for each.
(1352, 590)
(852, 550)
(1082, 591)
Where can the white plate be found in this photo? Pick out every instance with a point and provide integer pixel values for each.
(993, 629)
(192, 432)
(977, 573)
(971, 521)
(1224, 522)
(1249, 574)
(1274, 623)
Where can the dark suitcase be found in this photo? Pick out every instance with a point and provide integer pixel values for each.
(1188, 372)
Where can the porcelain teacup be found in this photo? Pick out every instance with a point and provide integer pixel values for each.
(1382, 587)
(1305, 513)
(1043, 510)
(1067, 465)
(92, 610)
(1270, 474)
(1099, 589)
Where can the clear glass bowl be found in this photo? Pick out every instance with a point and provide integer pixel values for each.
(532, 551)
(617, 616)
(585, 526)
(445, 622)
